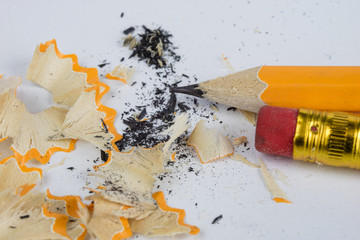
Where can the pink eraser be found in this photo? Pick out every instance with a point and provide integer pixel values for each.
(275, 130)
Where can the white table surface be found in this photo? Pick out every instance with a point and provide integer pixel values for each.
(250, 33)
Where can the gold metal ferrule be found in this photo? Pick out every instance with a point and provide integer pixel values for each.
(329, 138)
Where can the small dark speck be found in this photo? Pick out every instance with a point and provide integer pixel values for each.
(129, 30)
(12, 227)
(231, 109)
(103, 64)
(217, 219)
(24, 216)
(184, 75)
(122, 59)
(122, 15)
(70, 168)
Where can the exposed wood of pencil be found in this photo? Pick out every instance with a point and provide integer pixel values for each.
(241, 90)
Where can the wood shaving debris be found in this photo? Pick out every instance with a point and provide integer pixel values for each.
(240, 140)
(120, 73)
(176, 130)
(209, 144)
(85, 121)
(227, 64)
(272, 186)
(249, 116)
(214, 107)
(244, 160)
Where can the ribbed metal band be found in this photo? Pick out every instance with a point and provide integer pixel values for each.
(330, 138)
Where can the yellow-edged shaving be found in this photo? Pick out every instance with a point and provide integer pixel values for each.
(179, 127)
(272, 186)
(120, 73)
(209, 143)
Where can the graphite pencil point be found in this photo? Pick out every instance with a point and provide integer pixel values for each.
(193, 90)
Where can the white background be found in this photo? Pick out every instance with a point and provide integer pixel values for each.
(250, 33)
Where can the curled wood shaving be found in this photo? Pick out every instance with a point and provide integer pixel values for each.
(128, 180)
(209, 144)
(12, 176)
(164, 221)
(23, 211)
(56, 74)
(120, 73)
(85, 121)
(101, 222)
(27, 131)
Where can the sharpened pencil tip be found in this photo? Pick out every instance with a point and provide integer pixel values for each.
(193, 90)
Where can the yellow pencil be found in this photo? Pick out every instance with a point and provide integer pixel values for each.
(315, 87)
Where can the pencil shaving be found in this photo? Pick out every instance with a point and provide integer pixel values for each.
(227, 64)
(132, 173)
(65, 209)
(163, 221)
(249, 116)
(23, 212)
(23, 217)
(12, 176)
(272, 186)
(214, 107)
(240, 140)
(85, 121)
(120, 73)
(244, 160)
(179, 127)
(209, 144)
(128, 180)
(101, 223)
(28, 131)
(56, 74)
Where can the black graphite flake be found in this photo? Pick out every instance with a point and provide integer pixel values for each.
(172, 103)
(154, 47)
(104, 126)
(231, 109)
(183, 107)
(217, 219)
(24, 216)
(143, 133)
(104, 156)
(103, 64)
(70, 168)
(129, 30)
(184, 75)
(122, 15)
(142, 114)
